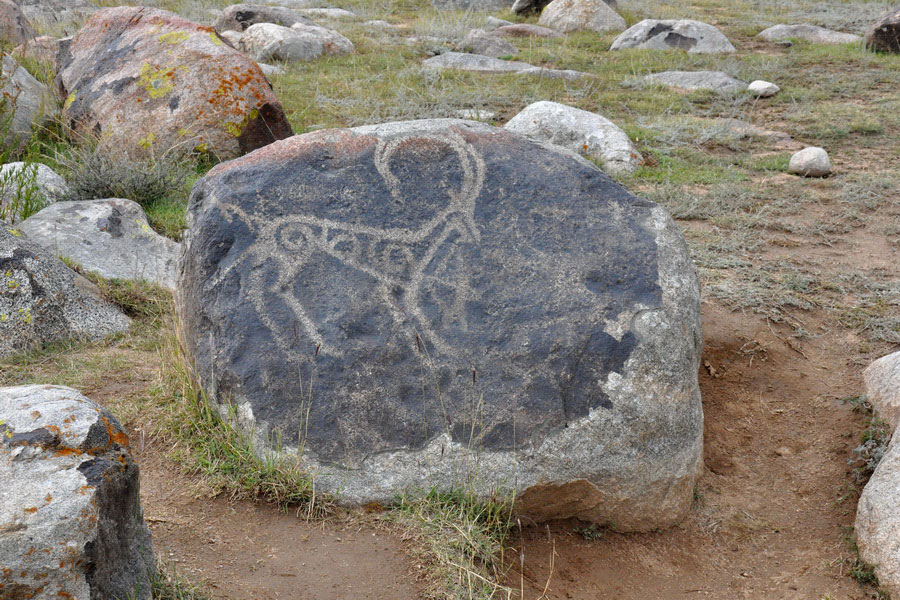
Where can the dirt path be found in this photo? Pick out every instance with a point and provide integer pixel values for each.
(247, 551)
(774, 501)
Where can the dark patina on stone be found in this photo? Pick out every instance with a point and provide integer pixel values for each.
(366, 292)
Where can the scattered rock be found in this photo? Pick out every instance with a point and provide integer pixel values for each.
(488, 64)
(239, 17)
(26, 97)
(50, 186)
(476, 114)
(527, 30)
(580, 131)
(176, 84)
(693, 37)
(480, 41)
(763, 89)
(883, 387)
(529, 7)
(579, 15)
(71, 526)
(327, 13)
(810, 162)
(268, 41)
(807, 32)
(44, 301)
(332, 41)
(884, 35)
(233, 37)
(493, 23)
(14, 27)
(698, 80)
(110, 237)
(581, 338)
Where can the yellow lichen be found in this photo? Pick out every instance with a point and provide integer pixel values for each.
(215, 38)
(158, 81)
(70, 100)
(15, 232)
(147, 142)
(174, 37)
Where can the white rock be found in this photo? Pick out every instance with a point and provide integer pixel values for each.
(327, 13)
(698, 80)
(579, 131)
(488, 64)
(15, 177)
(685, 34)
(882, 379)
(810, 162)
(809, 33)
(269, 70)
(578, 15)
(232, 36)
(110, 237)
(300, 42)
(877, 523)
(476, 114)
(763, 89)
(333, 41)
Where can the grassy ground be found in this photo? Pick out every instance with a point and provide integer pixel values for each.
(745, 219)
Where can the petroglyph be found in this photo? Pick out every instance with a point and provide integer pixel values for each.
(406, 263)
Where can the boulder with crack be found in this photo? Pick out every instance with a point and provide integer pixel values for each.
(694, 37)
(441, 303)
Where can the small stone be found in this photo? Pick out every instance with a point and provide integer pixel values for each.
(527, 30)
(763, 89)
(327, 13)
(810, 33)
(483, 42)
(698, 80)
(810, 162)
(488, 64)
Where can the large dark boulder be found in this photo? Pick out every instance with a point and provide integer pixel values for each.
(144, 81)
(884, 35)
(71, 524)
(443, 303)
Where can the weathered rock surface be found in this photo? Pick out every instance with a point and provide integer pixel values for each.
(578, 130)
(43, 48)
(884, 35)
(267, 42)
(332, 41)
(110, 237)
(14, 27)
(693, 37)
(527, 30)
(810, 162)
(763, 89)
(482, 42)
(43, 301)
(488, 64)
(807, 32)
(26, 99)
(271, 70)
(528, 7)
(141, 78)
(71, 524)
(698, 80)
(442, 290)
(882, 379)
(579, 15)
(239, 17)
(50, 186)
(233, 37)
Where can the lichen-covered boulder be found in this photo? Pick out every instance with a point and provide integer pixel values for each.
(580, 131)
(239, 17)
(71, 524)
(110, 237)
(24, 100)
(442, 303)
(14, 27)
(141, 79)
(43, 301)
(884, 34)
(694, 37)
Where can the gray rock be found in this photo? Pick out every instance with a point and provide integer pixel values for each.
(472, 5)
(877, 523)
(43, 301)
(809, 33)
(482, 42)
(529, 7)
(488, 64)
(270, 70)
(810, 162)
(414, 298)
(233, 37)
(268, 42)
(332, 41)
(476, 114)
(14, 27)
(493, 23)
(578, 130)
(698, 80)
(43, 48)
(884, 35)
(763, 89)
(693, 37)
(26, 99)
(239, 17)
(580, 15)
(71, 524)
(527, 30)
(882, 379)
(110, 237)
(16, 176)
(327, 13)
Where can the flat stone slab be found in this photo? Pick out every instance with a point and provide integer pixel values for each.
(488, 64)
(409, 297)
(71, 524)
(694, 37)
(110, 237)
(809, 33)
(716, 81)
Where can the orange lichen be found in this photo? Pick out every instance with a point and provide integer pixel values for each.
(31, 510)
